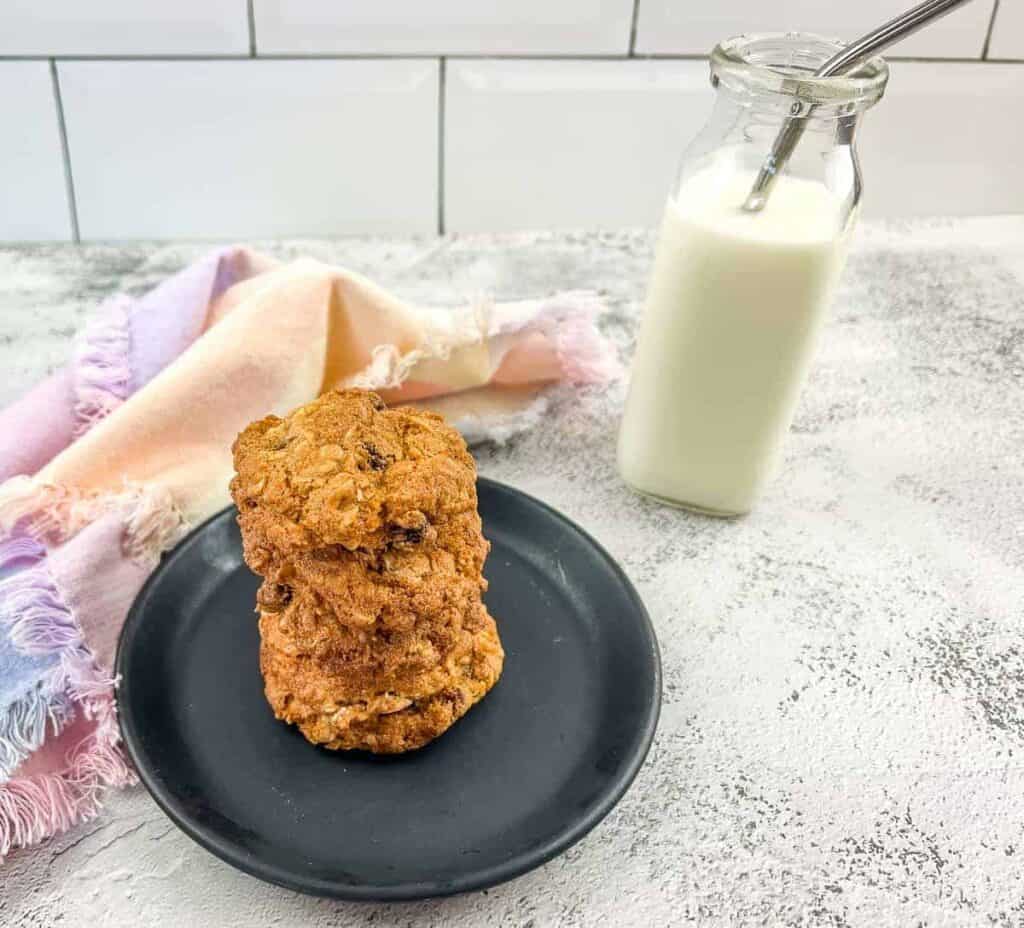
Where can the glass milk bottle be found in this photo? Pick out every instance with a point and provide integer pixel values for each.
(736, 298)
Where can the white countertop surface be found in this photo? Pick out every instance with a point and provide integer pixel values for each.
(842, 736)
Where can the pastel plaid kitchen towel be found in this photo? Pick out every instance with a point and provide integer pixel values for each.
(108, 463)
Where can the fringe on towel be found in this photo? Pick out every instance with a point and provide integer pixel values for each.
(35, 808)
(445, 332)
(25, 725)
(44, 708)
(47, 512)
(102, 373)
(568, 319)
(51, 514)
(585, 357)
(153, 524)
(500, 428)
(39, 622)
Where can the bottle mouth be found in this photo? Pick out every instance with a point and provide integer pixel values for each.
(778, 68)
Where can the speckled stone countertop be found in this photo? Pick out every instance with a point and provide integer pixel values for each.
(842, 737)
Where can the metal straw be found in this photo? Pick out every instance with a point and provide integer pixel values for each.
(840, 63)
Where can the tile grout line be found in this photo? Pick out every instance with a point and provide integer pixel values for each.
(251, 16)
(991, 29)
(312, 56)
(632, 28)
(441, 94)
(62, 131)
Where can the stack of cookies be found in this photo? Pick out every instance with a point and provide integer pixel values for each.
(363, 523)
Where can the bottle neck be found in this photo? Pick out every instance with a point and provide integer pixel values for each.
(739, 137)
(776, 72)
(757, 121)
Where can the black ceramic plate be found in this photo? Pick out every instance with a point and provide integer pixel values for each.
(523, 776)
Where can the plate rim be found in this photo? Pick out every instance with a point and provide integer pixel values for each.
(474, 880)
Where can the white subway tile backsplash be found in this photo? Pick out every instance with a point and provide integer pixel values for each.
(562, 131)
(537, 144)
(1008, 32)
(451, 27)
(33, 200)
(252, 148)
(123, 27)
(544, 144)
(673, 27)
(945, 140)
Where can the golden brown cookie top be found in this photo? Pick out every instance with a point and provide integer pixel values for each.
(345, 470)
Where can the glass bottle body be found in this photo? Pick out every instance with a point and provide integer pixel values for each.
(737, 299)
